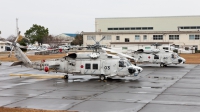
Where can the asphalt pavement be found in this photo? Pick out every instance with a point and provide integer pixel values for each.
(170, 89)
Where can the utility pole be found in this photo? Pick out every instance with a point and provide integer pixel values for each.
(16, 38)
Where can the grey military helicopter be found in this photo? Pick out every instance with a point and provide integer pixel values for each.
(96, 63)
(158, 55)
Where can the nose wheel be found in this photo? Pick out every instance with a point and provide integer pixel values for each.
(65, 76)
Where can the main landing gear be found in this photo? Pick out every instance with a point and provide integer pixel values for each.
(163, 65)
(102, 77)
(65, 76)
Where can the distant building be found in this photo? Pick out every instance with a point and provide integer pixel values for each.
(183, 31)
(4, 46)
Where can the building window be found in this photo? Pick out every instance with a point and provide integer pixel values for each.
(1, 47)
(191, 37)
(110, 28)
(121, 28)
(137, 37)
(150, 28)
(144, 28)
(196, 37)
(89, 37)
(95, 66)
(87, 66)
(107, 37)
(189, 27)
(132, 28)
(157, 37)
(117, 37)
(173, 37)
(126, 39)
(138, 28)
(144, 37)
(127, 28)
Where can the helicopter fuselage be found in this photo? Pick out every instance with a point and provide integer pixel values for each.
(106, 64)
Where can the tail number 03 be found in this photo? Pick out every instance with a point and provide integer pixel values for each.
(107, 67)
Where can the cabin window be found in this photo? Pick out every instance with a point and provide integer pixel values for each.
(87, 66)
(121, 64)
(95, 66)
(156, 57)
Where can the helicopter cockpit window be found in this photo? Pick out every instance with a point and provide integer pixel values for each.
(126, 63)
(176, 55)
(129, 63)
(95, 66)
(87, 66)
(121, 64)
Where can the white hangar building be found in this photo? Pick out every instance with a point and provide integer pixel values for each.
(183, 31)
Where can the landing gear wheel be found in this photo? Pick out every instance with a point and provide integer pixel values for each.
(162, 65)
(66, 77)
(102, 77)
(165, 65)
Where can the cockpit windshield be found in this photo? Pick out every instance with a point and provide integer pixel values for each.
(175, 55)
(129, 63)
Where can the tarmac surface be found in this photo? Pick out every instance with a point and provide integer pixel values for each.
(169, 89)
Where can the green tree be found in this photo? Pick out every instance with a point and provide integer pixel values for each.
(78, 40)
(37, 33)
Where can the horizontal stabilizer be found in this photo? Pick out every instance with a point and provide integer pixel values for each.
(17, 63)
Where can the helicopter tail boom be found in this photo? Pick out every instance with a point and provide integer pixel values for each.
(21, 56)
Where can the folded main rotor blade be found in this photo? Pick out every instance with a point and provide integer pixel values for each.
(124, 55)
(93, 39)
(102, 38)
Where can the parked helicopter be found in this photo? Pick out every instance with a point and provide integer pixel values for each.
(162, 55)
(97, 63)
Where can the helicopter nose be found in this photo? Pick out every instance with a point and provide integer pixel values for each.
(140, 70)
(180, 60)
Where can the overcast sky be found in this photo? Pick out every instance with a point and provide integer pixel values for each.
(71, 16)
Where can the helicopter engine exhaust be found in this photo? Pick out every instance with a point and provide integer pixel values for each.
(131, 70)
(81, 56)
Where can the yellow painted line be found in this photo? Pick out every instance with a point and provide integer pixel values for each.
(38, 75)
